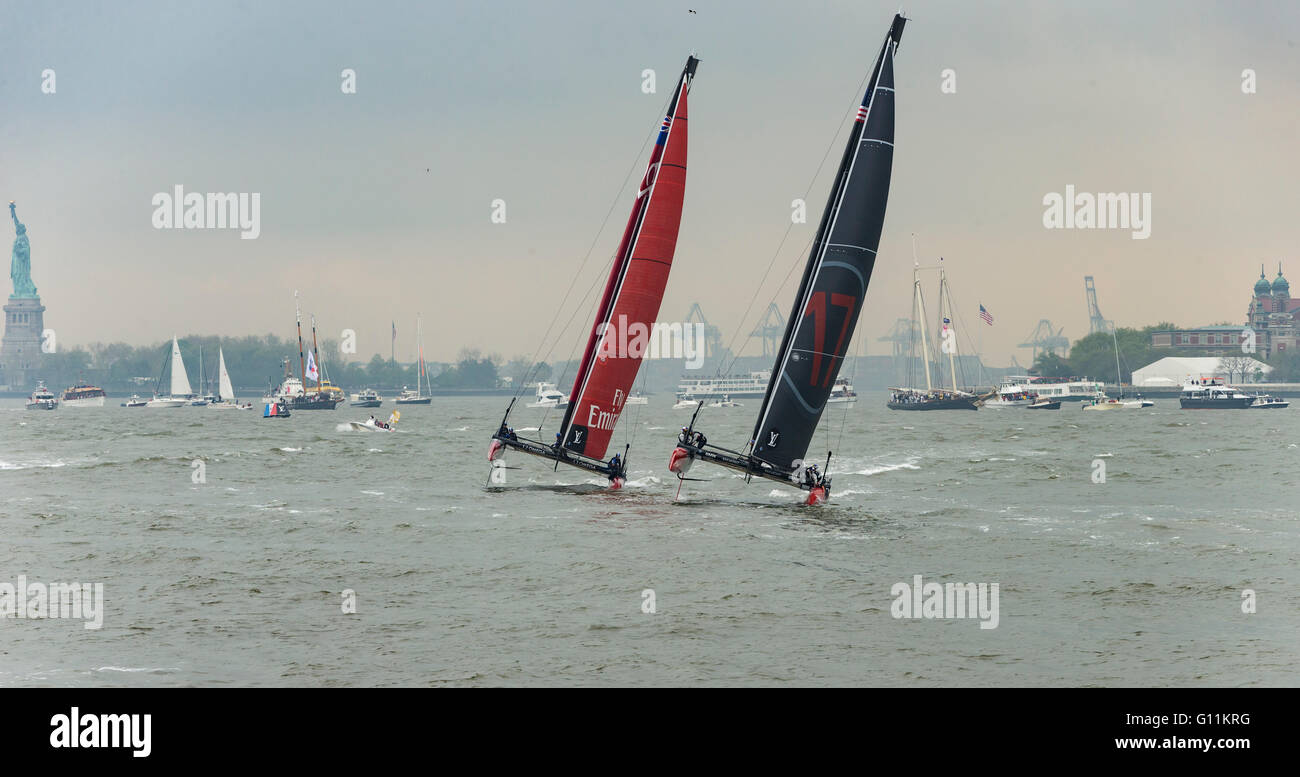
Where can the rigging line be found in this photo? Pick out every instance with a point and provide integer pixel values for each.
(839, 127)
(853, 381)
(586, 257)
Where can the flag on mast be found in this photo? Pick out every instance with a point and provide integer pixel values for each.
(311, 367)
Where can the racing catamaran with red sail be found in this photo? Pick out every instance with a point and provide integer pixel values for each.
(826, 308)
(633, 292)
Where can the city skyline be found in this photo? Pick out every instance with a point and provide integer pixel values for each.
(377, 205)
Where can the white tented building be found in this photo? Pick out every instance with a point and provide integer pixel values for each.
(1177, 370)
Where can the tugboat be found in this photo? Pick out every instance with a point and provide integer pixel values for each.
(42, 399)
(83, 395)
(1213, 394)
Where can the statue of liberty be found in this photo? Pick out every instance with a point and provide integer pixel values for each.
(20, 266)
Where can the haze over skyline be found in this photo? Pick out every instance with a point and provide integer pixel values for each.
(377, 205)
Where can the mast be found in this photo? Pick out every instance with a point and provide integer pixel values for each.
(925, 335)
(634, 288)
(946, 294)
(419, 346)
(320, 371)
(833, 288)
(302, 362)
(1119, 380)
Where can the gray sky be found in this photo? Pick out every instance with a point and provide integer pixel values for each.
(540, 104)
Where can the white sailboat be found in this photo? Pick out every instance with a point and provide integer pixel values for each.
(225, 398)
(417, 397)
(1102, 403)
(180, 387)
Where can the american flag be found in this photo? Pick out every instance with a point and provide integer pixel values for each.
(987, 316)
(862, 113)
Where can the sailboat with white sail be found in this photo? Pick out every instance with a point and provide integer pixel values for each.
(225, 397)
(826, 308)
(417, 397)
(181, 393)
(633, 292)
(1101, 403)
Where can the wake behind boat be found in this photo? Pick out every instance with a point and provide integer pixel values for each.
(826, 307)
(633, 293)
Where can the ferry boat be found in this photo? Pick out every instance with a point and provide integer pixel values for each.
(367, 398)
(549, 396)
(1067, 389)
(842, 392)
(1213, 394)
(42, 399)
(83, 395)
(752, 385)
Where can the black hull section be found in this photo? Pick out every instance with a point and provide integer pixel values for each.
(424, 401)
(749, 466)
(936, 404)
(314, 404)
(1045, 406)
(1217, 404)
(541, 450)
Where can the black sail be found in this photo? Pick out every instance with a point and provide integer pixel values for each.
(834, 284)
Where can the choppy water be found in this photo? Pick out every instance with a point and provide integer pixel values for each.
(237, 581)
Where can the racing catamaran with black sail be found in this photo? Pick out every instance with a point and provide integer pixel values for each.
(631, 299)
(826, 308)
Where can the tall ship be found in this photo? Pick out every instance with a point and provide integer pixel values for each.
(633, 292)
(293, 393)
(83, 395)
(1213, 394)
(932, 397)
(825, 309)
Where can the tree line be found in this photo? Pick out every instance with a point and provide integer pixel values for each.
(1094, 356)
(256, 363)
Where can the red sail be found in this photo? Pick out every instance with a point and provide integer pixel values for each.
(627, 311)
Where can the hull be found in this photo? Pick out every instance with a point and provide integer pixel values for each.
(84, 402)
(360, 427)
(1229, 403)
(417, 401)
(313, 403)
(937, 404)
(368, 403)
(157, 403)
(1044, 406)
(43, 405)
(1269, 405)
